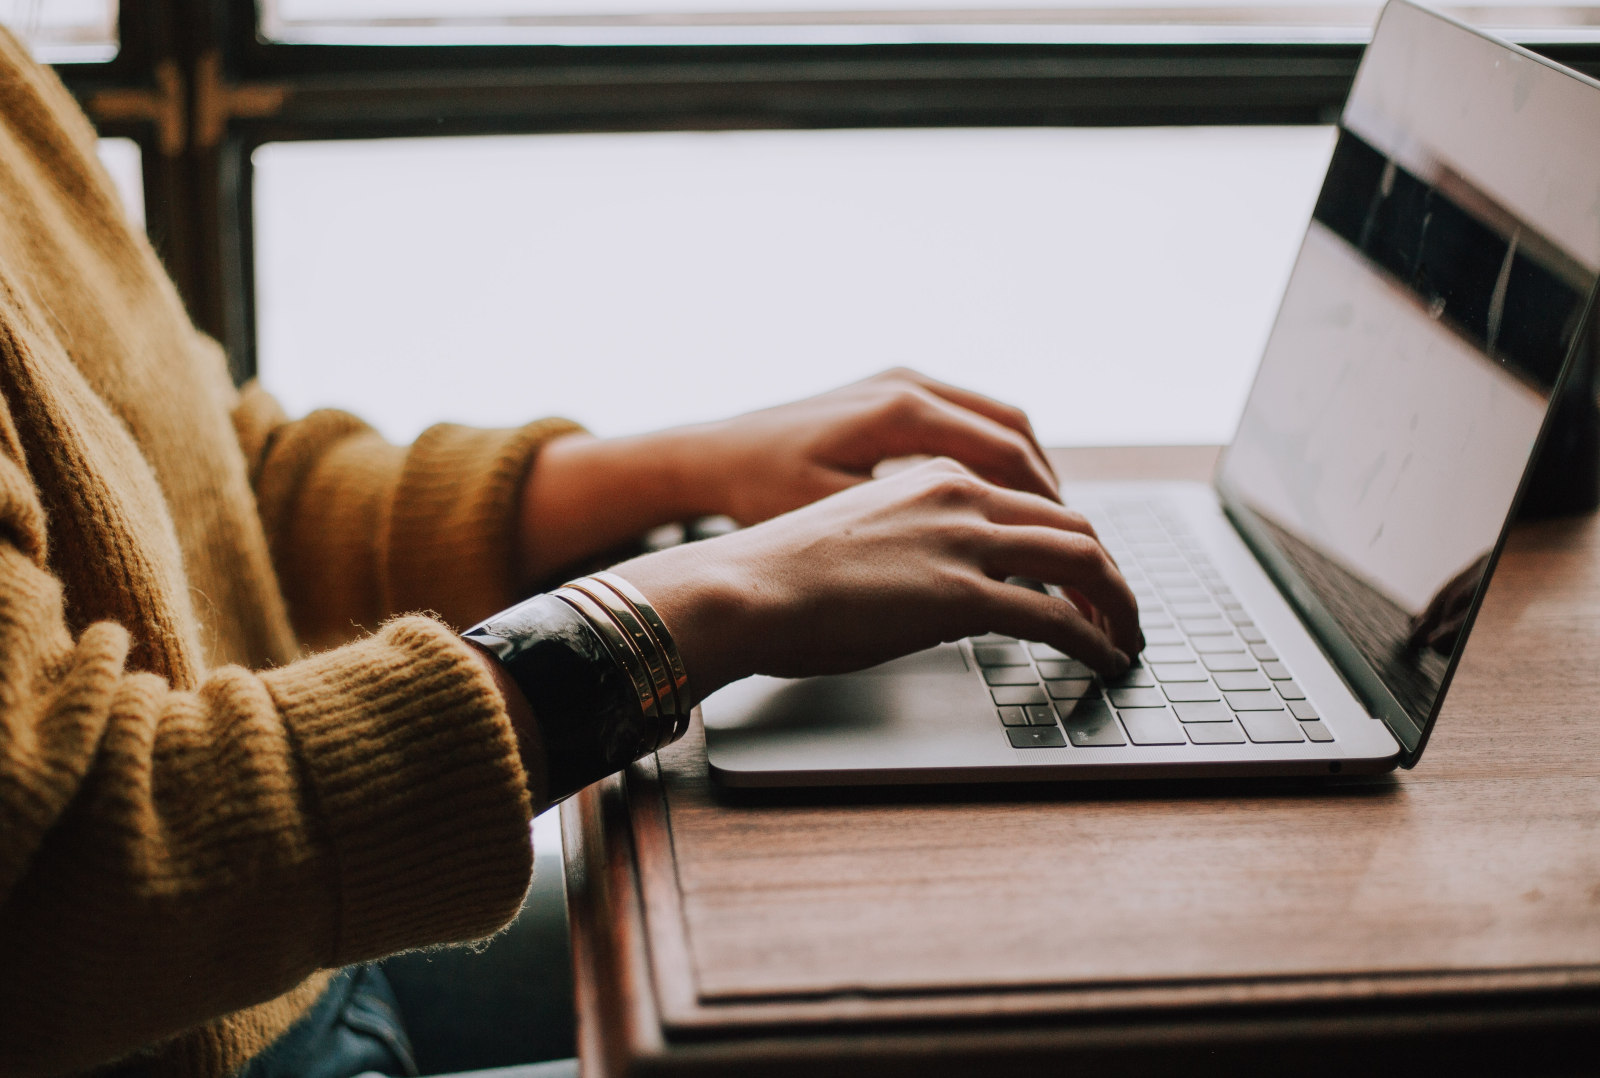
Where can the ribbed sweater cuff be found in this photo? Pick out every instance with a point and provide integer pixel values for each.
(415, 769)
(453, 527)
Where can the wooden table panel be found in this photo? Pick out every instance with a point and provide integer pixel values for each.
(1475, 876)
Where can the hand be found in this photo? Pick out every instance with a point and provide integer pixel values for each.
(761, 464)
(587, 495)
(886, 568)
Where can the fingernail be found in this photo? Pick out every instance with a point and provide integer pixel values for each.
(1123, 663)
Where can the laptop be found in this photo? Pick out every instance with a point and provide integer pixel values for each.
(1304, 612)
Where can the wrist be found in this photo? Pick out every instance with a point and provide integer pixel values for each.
(713, 612)
(583, 706)
(586, 495)
(523, 724)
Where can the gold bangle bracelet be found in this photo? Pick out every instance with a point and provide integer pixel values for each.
(617, 641)
(644, 645)
(647, 614)
(669, 648)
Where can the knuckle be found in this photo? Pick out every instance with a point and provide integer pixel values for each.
(904, 404)
(954, 487)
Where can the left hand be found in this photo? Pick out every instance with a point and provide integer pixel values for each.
(758, 465)
(587, 495)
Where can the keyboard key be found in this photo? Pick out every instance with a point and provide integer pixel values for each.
(1071, 689)
(1036, 737)
(1182, 693)
(1205, 627)
(1136, 698)
(1173, 578)
(1152, 726)
(1136, 677)
(1000, 655)
(1316, 731)
(1045, 651)
(1228, 660)
(1040, 715)
(1013, 716)
(1010, 675)
(1290, 691)
(1267, 727)
(1092, 724)
(1178, 672)
(1302, 709)
(1017, 695)
(1162, 637)
(993, 638)
(1060, 668)
(1181, 598)
(1212, 733)
(1242, 681)
(1275, 671)
(1252, 635)
(1149, 552)
(1264, 652)
(1252, 701)
(1200, 711)
(1167, 654)
(1237, 615)
(1154, 619)
(1206, 644)
(1181, 611)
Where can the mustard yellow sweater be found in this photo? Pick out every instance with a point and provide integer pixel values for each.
(197, 816)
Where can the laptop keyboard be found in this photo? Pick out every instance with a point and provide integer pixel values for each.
(1207, 676)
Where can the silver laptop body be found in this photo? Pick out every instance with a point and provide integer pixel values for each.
(1306, 610)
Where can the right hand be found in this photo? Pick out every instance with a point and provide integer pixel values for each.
(884, 569)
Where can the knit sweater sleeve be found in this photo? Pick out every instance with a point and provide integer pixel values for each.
(204, 847)
(361, 529)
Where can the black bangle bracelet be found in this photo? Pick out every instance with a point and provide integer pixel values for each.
(585, 706)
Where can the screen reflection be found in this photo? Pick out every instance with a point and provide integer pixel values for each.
(1440, 287)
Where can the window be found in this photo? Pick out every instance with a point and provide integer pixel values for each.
(64, 31)
(1120, 281)
(213, 90)
(723, 22)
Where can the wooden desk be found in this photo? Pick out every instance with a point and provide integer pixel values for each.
(1448, 916)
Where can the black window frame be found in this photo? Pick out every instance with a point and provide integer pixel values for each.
(199, 90)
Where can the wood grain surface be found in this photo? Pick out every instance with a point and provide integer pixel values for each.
(759, 931)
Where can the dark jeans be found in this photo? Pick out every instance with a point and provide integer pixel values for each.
(490, 1009)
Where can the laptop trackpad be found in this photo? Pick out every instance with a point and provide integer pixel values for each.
(917, 709)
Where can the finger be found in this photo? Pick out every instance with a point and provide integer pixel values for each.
(1005, 414)
(1015, 507)
(1031, 615)
(1074, 562)
(996, 452)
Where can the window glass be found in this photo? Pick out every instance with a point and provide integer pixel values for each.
(64, 31)
(1119, 283)
(780, 21)
(123, 161)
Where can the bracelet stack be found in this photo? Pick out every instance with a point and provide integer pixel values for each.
(641, 645)
(600, 672)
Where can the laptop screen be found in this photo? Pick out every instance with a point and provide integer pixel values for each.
(1441, 286)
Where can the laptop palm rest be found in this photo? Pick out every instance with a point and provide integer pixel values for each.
(914, 712)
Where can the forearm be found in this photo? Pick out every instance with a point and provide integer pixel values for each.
(588, 495)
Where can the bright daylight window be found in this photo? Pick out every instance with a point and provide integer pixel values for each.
(64, 31)
(883, 21)
(1119, 283)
